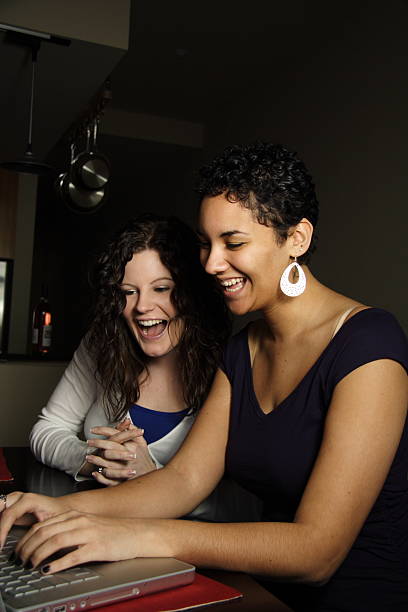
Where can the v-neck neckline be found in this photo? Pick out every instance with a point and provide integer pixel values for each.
(307, 374)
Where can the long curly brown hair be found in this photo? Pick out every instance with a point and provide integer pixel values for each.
(120, 363)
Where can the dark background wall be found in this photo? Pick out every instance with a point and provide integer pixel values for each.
(343, 107)
(341, 102)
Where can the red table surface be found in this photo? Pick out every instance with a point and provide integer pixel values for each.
(202, 592)
(5, 475)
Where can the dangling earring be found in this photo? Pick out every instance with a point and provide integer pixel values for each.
(293, 289)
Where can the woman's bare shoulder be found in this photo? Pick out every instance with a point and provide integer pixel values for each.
(340, 308)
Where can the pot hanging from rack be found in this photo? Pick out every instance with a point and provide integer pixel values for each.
(91, 169)
(79, 199)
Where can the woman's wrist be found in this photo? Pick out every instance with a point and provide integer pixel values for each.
(159, 536)
(87, 468)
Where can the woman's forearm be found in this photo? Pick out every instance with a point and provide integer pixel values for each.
(288, 551)
(57, 447)
(55, 437)
(291, 552)
(162, 493)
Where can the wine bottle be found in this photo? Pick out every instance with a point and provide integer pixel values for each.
(42, 325)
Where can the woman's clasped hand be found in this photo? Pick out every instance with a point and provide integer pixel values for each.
(122, 453)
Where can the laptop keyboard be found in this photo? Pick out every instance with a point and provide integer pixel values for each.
(18, 582)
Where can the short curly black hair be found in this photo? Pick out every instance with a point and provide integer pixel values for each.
(269, 180)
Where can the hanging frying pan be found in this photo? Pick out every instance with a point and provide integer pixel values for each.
(80, 159)
(91, 169)
(77, 199)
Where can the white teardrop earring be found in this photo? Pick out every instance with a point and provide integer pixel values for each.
(293, 289)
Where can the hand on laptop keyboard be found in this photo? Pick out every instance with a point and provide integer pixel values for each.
(18, 582)
(26, 509)
(90, 538)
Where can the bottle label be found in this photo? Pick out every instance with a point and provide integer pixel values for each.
(35, 335)
(47, 333)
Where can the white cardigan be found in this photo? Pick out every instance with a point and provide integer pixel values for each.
(58, 439)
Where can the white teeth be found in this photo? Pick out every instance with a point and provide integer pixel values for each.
(233, 289)
(150, 322)
(233, 284)
(233, 281)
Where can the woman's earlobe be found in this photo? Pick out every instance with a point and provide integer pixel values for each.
(301, 237)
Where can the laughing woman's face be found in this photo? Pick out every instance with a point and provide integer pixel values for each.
(149, 311)
(243, 255)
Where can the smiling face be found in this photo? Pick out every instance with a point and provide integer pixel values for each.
(149, 311)
(244, 255)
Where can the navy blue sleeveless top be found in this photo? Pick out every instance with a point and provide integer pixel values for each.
(156, 424)
(273, 454)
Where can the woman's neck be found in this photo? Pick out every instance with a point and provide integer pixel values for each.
(288, 317)
(168, 363)
(162, 389)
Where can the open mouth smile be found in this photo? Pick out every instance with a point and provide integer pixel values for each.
(232, 285)
(152, 328)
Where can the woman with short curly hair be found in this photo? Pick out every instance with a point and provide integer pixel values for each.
(270, 181)
(308, 411)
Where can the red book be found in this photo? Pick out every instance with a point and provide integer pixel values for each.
(202, 592)
(5, 475)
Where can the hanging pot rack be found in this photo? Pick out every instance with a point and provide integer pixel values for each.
(94, 112)
(84, 187)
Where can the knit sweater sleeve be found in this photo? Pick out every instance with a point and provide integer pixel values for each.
(57, 437)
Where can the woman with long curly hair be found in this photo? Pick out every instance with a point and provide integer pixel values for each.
(144, 368)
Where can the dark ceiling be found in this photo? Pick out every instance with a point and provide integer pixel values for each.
(67, 78)
(187, 60)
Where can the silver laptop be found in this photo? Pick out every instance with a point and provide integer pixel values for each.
(86, 586)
